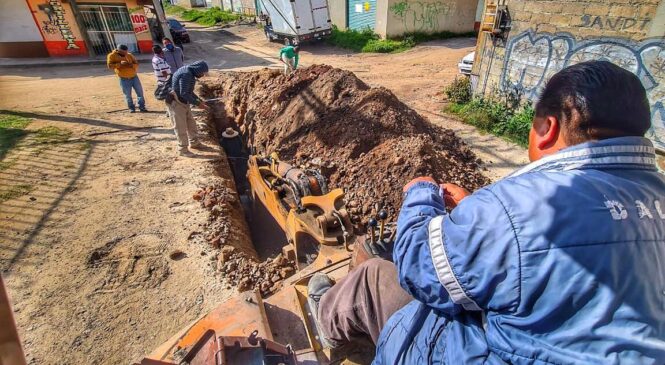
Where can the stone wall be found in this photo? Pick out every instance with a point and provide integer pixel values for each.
(549, 35)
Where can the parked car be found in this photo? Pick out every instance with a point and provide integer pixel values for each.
(466, 64)
(178, 31)
(179, 34)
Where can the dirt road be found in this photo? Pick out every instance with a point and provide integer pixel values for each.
(86, 252)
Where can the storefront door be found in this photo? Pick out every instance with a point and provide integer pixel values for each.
(107, 26)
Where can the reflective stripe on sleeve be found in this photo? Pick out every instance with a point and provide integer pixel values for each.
(443, 269)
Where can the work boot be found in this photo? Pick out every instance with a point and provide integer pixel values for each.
(183, 151)
(318, 285)
(196, 144)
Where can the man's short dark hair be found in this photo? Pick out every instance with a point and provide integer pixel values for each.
(122, 47)
(596, 100)
(166, 39)
(157, 49)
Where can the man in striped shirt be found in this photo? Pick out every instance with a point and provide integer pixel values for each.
(162, 69)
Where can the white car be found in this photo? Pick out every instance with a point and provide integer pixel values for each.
(466, 64)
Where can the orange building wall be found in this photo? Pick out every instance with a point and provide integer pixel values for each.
(61, 34)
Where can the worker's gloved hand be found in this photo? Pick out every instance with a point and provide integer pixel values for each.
(453, 194)
(419, 179)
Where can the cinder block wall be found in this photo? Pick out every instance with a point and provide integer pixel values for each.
(549, 35)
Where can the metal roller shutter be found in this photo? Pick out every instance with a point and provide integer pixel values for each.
(361, 14)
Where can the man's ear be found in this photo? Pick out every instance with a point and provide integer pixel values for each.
(546, 137)
(548, 132)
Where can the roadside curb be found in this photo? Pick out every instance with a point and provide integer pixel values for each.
(54, 62)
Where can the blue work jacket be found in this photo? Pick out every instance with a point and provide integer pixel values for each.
(562, 262)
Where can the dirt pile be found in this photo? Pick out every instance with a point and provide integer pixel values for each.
(363, 139)
(238, 263)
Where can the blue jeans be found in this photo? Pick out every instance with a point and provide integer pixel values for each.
(127, 85)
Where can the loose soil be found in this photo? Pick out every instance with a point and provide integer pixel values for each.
(363, 139)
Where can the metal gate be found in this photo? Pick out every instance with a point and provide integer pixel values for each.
(361, 14)
(107, 26)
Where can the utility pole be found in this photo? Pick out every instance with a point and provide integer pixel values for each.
(82, 28)
(161, 18)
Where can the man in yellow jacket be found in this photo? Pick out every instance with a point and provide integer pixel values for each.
(125, 66)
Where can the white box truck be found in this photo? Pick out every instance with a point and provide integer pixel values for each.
(295, 21)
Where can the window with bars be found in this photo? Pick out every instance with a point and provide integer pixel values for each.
(107, 26)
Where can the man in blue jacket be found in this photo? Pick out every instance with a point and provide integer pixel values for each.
(183, 82)
(562, 262)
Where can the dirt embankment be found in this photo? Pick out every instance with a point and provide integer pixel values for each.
(363, 139)
(237, 260)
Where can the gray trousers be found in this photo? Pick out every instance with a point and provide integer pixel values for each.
(289, 64)
(183, 123)
(360, 304)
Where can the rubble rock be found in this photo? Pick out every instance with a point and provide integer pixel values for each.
(244, 285)
(286, 272)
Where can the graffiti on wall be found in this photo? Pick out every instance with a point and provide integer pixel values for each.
(531, 59)
(419, 16)
(56, 22)
(616, 24)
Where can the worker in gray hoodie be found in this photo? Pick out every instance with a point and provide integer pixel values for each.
(183, 83)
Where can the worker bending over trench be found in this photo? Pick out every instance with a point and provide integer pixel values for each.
(562, 262)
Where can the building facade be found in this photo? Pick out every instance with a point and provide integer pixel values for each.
(57, 28)
(542, 37)
(397, 17)
(195, 3)
(393, 18)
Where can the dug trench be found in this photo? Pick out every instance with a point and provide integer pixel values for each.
(362, 139)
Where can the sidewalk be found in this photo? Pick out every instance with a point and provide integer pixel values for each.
(60, 61)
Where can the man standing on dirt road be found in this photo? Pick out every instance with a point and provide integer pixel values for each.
(173, 55)
(562, 262)
(125, 66)
(289, 57)
(159, 65)
(162, 72)
(183, 83)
